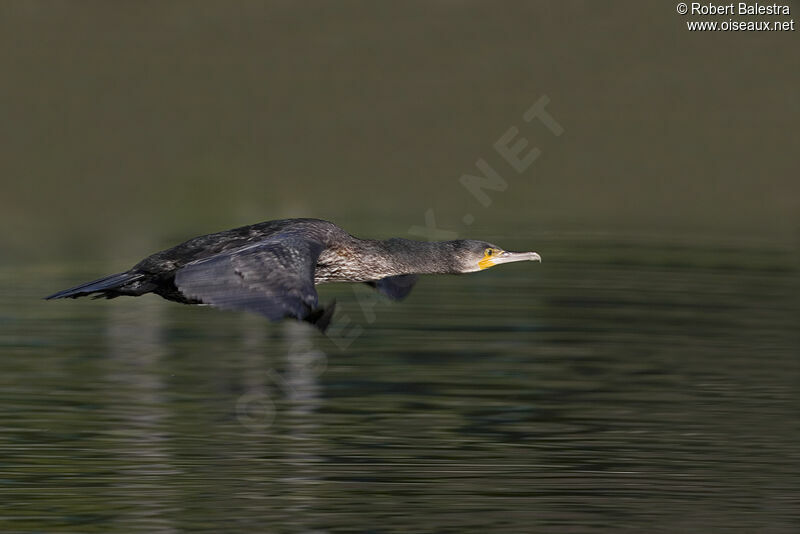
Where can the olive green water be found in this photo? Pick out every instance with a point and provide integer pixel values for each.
(641, 379)
(647, 385)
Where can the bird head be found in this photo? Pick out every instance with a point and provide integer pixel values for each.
(474, 255)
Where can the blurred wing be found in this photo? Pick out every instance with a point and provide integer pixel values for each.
(274, 278)
(395, 287)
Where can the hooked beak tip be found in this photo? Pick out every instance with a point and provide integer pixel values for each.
(508, 257)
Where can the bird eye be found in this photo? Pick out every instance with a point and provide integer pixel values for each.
(488, 252)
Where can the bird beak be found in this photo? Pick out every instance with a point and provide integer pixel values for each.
(508, 257)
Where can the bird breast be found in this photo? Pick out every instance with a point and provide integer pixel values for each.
(345, 264)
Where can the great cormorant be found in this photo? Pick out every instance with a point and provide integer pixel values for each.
(271, 268)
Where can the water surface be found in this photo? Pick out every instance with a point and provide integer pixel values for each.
(642, 385)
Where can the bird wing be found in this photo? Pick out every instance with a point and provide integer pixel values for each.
(395, 287)
(274, 278)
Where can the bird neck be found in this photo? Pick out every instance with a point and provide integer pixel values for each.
(362, 260)
(404, 256)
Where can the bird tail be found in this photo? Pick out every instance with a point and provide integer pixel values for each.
(105, 286)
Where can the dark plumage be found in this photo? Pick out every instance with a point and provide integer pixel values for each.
(271, 268)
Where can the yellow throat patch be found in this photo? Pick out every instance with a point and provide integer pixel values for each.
(487, 261)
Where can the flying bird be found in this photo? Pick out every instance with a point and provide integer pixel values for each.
(271, 268)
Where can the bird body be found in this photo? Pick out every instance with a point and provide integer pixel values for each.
(271, 268)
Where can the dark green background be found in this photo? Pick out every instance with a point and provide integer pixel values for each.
(128, 125)
(642, 378)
